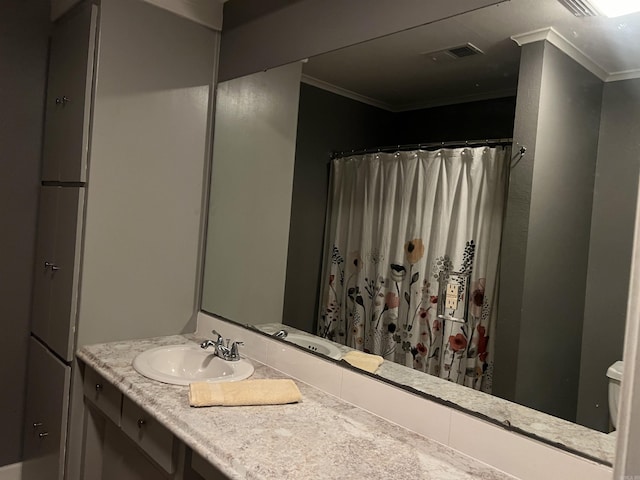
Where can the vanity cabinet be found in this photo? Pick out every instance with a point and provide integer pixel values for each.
(127, 443)
(67, 110)
(45, 414)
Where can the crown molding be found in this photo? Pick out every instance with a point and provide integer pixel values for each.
(624, 75)
(329, 87)
(532, 36)
(552, 36)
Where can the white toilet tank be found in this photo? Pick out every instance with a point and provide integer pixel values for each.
(614, 372)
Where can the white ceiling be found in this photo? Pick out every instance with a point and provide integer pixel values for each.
(392, 72)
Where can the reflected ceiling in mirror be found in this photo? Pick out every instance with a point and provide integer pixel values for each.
(267, 215)
(416, 68)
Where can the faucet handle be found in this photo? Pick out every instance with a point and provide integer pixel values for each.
(280, 334)
(234, 349)
(220, 339)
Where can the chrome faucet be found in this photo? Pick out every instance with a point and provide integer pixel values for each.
(222, 348)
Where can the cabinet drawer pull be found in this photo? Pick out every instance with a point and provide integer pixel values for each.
(98, 387)
(141, 422)
(43, 434)
(37, 424)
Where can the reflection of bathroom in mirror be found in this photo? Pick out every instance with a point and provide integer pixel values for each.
(456, 252)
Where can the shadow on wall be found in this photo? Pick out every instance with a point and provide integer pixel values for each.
(24, 32)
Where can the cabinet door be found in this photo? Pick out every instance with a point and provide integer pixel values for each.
(123, 461)
(57, 271)
(45, 415)
(45, 252)
(64, 281)
(66, 136)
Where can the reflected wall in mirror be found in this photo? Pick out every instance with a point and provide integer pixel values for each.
(544, 314)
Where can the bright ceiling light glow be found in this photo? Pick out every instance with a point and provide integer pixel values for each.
(616, 8)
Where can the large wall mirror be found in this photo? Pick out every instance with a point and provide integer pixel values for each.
(458, 198)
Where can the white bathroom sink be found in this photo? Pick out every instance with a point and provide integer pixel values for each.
(185, 364)
(315, 344)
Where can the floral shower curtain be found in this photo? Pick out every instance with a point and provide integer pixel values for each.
(396, 224)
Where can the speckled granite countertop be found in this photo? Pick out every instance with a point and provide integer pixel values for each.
(573, 436)
(322, 437)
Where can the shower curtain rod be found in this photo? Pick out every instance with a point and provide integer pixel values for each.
(426, 146)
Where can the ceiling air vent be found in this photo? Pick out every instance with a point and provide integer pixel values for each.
(453, 54)
(579, 8)
(466, 50)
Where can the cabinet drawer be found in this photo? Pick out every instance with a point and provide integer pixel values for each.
(154, 439)
(103, 395)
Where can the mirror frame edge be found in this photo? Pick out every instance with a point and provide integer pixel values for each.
(627, 465)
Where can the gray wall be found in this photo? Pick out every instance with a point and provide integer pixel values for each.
(327, 123)
(148, 165)
(463, 121)
(516, 225)
(24, 30)
(250, 206)
(612, 225)
(146, 180)
(309, 27)
(550, 308)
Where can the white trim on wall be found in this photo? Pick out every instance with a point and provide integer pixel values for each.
(552, 36)
(330, 87)
(624, 75)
